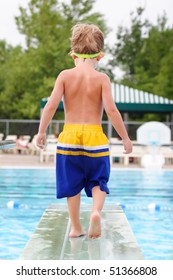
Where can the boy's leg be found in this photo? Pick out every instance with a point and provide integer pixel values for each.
(74, 214)
(94, 230)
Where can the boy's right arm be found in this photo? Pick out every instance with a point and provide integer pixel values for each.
(49, 111)
(114, 115)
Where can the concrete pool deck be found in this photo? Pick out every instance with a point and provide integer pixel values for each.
(50, 239)
(24, 160)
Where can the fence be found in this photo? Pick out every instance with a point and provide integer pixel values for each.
(30, 127)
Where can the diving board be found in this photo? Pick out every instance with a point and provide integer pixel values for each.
(50, 240)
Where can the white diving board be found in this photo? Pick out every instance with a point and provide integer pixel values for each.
(50, 240)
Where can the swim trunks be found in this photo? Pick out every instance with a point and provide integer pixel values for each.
(82, 160)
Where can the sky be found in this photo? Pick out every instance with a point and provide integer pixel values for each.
(116, 12)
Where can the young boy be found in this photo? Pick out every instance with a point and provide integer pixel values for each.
(82, 151)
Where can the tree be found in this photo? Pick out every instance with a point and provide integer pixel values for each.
(5, 51)
(157, 60)
(129, 44)
(144, 52)
(31, 72)
(8, 66)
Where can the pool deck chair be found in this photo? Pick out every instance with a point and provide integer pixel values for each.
(13, 138)
(116, 151)
(1, 136)
(49, 151)
(50, 240)
(167, 153)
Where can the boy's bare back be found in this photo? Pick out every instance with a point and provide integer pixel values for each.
(83, 94)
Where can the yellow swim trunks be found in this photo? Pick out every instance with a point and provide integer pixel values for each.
(82, 160)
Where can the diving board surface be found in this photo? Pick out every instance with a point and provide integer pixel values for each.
(50, 240)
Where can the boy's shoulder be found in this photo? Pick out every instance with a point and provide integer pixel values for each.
(104, 77)
(64, 74)
(66, 71)
(72, 71)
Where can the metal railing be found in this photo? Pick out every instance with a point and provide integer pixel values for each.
(30, 127)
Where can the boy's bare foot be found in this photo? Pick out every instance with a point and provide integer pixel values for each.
(76, 233)
(94, 230)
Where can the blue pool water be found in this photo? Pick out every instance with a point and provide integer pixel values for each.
(146, 197)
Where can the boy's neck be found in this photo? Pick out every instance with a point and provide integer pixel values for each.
(86, 62)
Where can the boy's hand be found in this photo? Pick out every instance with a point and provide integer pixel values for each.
(127, 146)
(41, 140)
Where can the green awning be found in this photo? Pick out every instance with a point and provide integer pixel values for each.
(44, 101)
(132, 100)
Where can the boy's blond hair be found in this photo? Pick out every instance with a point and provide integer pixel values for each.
(87, 39)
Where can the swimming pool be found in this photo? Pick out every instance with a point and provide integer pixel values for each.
(146, 197)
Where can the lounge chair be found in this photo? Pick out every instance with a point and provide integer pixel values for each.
(33, 149)
(1, 136)
(50, 151)
(167, 153)
(116, 152)
(22, 144)
(51, 136)
(13, 138)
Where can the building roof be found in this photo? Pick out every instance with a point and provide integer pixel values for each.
(132, 100)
